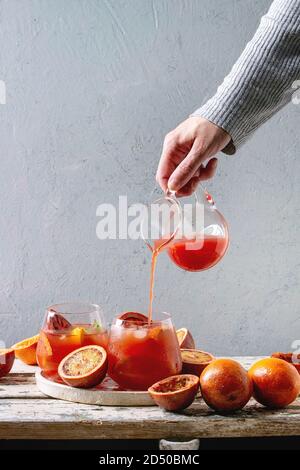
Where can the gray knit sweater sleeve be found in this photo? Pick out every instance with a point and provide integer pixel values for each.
(261, 81)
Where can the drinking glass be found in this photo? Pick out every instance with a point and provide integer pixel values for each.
(67, 327)
(141, 354)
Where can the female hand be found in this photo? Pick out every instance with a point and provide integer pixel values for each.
(195, 141)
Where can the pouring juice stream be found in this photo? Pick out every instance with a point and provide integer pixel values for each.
(158, 247)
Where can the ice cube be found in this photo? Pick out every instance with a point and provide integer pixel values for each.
(140, 334)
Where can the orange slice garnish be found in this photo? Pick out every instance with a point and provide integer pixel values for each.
(26, 350)
(44, 346)
(77, 335)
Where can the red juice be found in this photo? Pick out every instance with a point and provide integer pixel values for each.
(198, 254)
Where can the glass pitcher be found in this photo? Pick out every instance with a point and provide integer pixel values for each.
(202, 237)
(191, 229)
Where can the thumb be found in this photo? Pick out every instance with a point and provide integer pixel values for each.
(188, 167)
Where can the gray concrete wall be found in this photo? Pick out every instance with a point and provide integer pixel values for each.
(92, 87)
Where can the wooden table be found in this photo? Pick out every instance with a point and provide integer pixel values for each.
(25, 413)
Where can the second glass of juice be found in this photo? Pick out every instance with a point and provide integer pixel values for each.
(141, 354)
(67, 327)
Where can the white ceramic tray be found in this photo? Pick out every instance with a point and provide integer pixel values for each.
(105, 394)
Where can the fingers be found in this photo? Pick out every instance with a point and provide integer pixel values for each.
(189, 188)
(185, 149)
(210, 169)
(188, 167)
(204, 173)
(166, 164)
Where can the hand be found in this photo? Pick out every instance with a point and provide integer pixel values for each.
(185, 150)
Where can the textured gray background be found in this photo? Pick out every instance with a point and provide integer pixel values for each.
(92, 87)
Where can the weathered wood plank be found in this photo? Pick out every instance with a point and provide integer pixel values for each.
(51, 419)
(19, 386)
(24, 411)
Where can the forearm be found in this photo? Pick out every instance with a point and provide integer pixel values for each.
(260, 82)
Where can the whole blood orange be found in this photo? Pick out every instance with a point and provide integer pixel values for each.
(225, 385)
(276, 383)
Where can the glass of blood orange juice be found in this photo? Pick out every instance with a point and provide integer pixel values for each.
(141, 352)
(67, 327)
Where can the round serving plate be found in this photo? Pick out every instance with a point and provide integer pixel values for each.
(105, 394)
